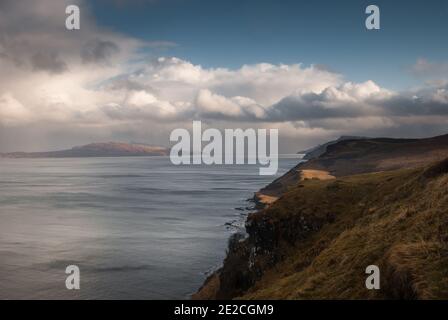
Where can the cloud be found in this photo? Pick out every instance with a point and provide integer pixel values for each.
(59, 87)
(434, 73)
(98, 51)
(12, 111)
(265, 83)
(310, 98)
(214, 106)
(348, 100)
(48, 61)
(426, 68)
(33, 37)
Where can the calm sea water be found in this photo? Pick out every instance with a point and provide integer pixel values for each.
(138, 228)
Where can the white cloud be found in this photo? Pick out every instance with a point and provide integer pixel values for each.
(140, 98)
(264, 83)
(348, 100)
(214, 105)
(12, 111)
(96, 83)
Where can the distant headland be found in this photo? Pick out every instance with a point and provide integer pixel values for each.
(105, 149)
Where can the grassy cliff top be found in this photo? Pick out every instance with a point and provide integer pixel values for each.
(357, 156)
(328, 232)
(317, 239)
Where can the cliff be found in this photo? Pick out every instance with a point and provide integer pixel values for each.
(317, 239)
(321, 149)
(349, 157)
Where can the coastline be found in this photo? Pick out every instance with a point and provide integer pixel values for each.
(320, 224)
(239, 249)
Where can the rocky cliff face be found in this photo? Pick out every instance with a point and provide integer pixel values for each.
(272, 233)
(316, 240)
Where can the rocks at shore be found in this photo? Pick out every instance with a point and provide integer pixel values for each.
(318, 235)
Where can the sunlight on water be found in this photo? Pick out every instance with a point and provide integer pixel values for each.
(138, 228)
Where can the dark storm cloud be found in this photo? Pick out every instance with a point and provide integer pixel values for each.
(316, 106)
(32, 34)
(313, 106)
(413, 106)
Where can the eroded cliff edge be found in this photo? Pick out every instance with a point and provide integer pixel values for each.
(388, 205)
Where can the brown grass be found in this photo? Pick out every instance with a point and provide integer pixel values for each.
(315, 174)
(397, 220)
(265, 199)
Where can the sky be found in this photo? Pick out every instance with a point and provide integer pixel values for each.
(233, 33)
(138, 69)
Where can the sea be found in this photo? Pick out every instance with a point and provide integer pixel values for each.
(136, 227)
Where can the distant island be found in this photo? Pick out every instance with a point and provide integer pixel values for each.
(106, 149)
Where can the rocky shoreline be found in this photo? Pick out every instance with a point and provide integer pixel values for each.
(248, 256)
(268, 238)
(312, 216)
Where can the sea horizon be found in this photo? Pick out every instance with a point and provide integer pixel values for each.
(138, 227)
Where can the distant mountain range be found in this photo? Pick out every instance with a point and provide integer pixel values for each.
(107, 149)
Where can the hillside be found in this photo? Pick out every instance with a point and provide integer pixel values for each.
(362, 202)
(317, 239)
(348, 157)
(109, 149)
(321, 149)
